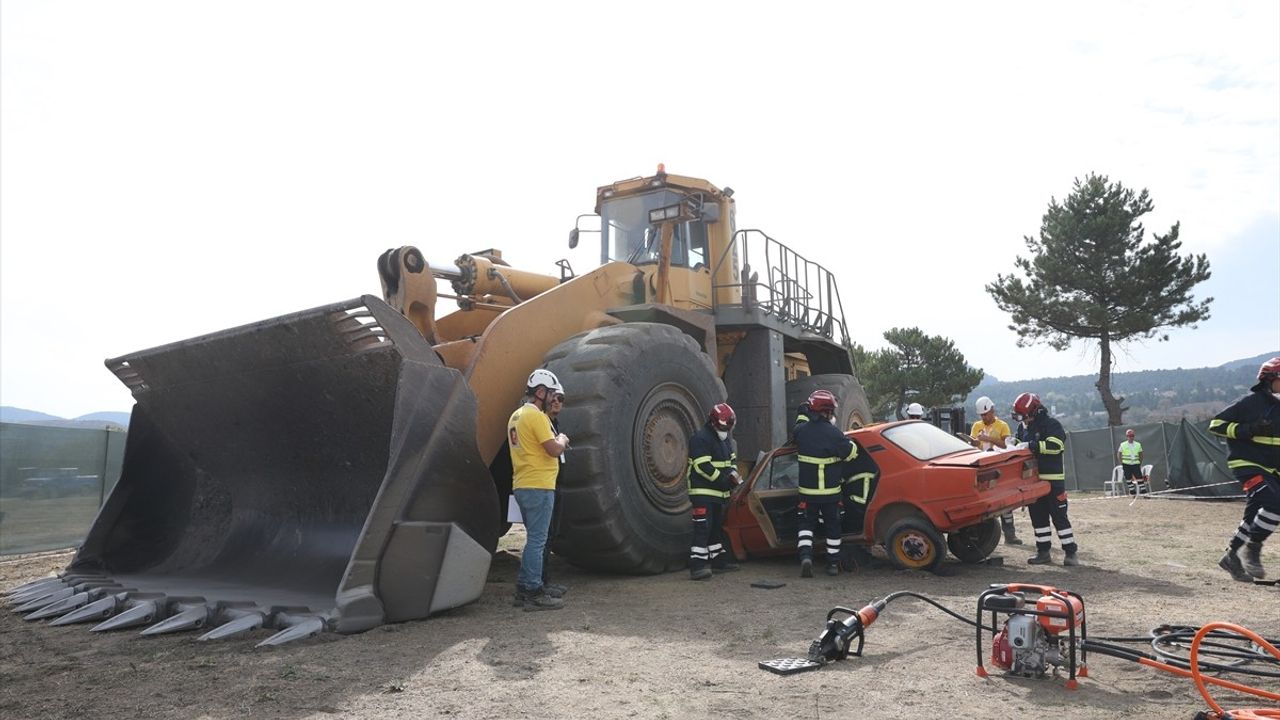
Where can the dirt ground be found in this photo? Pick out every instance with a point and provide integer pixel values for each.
(665, 647)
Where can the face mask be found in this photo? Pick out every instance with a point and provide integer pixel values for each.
(832, 420)
(723, 434)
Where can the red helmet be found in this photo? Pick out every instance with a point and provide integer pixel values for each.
(1270, 370)
(822, 401)
(722, 417)
(1026, 405)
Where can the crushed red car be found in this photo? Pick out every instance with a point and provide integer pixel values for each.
(932, 484)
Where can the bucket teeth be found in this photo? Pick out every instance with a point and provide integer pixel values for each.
(302, 628)
(244, 623)
(96, 610)
(191, 618)
(141, 614)
(60, 607)
(45, 600)
(20, 599)
(34, 585)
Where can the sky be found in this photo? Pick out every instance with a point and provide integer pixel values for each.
(168, 169)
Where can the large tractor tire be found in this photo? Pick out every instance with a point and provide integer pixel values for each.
(634, 394)
(852, 406)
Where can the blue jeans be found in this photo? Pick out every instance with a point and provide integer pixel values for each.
(535, 508)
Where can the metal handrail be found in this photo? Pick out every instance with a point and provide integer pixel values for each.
(794, 289)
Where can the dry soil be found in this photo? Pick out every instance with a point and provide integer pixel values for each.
(665, 647)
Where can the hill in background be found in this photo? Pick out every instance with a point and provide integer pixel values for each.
(1151, 395)
(97, 420)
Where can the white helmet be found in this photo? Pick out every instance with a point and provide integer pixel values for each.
(915, 410)
(544, 378)
(985, 405)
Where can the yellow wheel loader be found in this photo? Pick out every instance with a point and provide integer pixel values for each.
(339, 468)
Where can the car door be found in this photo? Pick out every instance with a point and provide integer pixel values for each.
(773, 497)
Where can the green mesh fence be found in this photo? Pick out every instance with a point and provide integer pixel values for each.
(52, 482)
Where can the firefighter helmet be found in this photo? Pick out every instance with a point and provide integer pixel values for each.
(1270, 370)
(722, 417)
(1026, 404)
(822, 401)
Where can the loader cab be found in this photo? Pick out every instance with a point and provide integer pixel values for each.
(675, 230)
(629, 235)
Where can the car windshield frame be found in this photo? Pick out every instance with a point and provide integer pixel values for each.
(923, 441)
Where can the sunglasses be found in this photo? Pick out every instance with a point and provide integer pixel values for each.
(558, 398)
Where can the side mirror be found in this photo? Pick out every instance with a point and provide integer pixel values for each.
(573, 238)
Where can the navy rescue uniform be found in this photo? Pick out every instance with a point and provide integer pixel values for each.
(1252, 429)
(712, 465)
(832, 468)
(1047, 442)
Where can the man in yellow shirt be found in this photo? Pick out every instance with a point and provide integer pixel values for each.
(535, 461)
(989, 433)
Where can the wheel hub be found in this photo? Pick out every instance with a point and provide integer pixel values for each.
(666, 420)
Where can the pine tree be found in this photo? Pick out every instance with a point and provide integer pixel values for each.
(927, 369)
(1092, 276)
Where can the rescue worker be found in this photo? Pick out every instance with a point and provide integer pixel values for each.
(989, 433)
(1129, 457)
(535, 453)
(820, 446)
(712, 473)
(915, 411)
(1047, 442)
(1252, 429)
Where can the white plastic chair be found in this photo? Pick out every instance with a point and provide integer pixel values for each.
(1115, 486)
(1143, 486)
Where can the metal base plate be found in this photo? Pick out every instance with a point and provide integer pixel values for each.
(789, 666)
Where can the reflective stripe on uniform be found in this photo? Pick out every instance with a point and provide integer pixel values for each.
(822, 464)
(708, 492)
(1053, 476)
(865, 479)
(1051, 446)
(1216, 427)
(1233, 464)
(694, 464)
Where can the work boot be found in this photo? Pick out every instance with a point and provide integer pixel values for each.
(702, 573)
(540, 600)
(554, 590)
(833, 569)
(1252, 560)
(725, 567)
(806, 568)
(1231, 563)
(1011, 538)
(1040, 558)
(1070, 560)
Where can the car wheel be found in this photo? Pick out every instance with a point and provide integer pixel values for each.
(913, 544)
(974, 543)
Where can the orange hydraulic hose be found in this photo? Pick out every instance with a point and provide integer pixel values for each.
(1200, 679)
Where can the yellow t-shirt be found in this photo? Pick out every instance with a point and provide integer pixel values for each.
(999, 429)
(533, 468)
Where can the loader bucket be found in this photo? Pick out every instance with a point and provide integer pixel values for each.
(313, 472)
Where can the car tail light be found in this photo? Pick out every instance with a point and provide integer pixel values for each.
(1028, 469)
(989, 477)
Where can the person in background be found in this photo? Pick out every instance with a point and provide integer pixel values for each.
(535, 453)
(990, 433)
(1129, 457)
(712, 473)
(1047, 442)
(915, 411)
(1251, 426)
